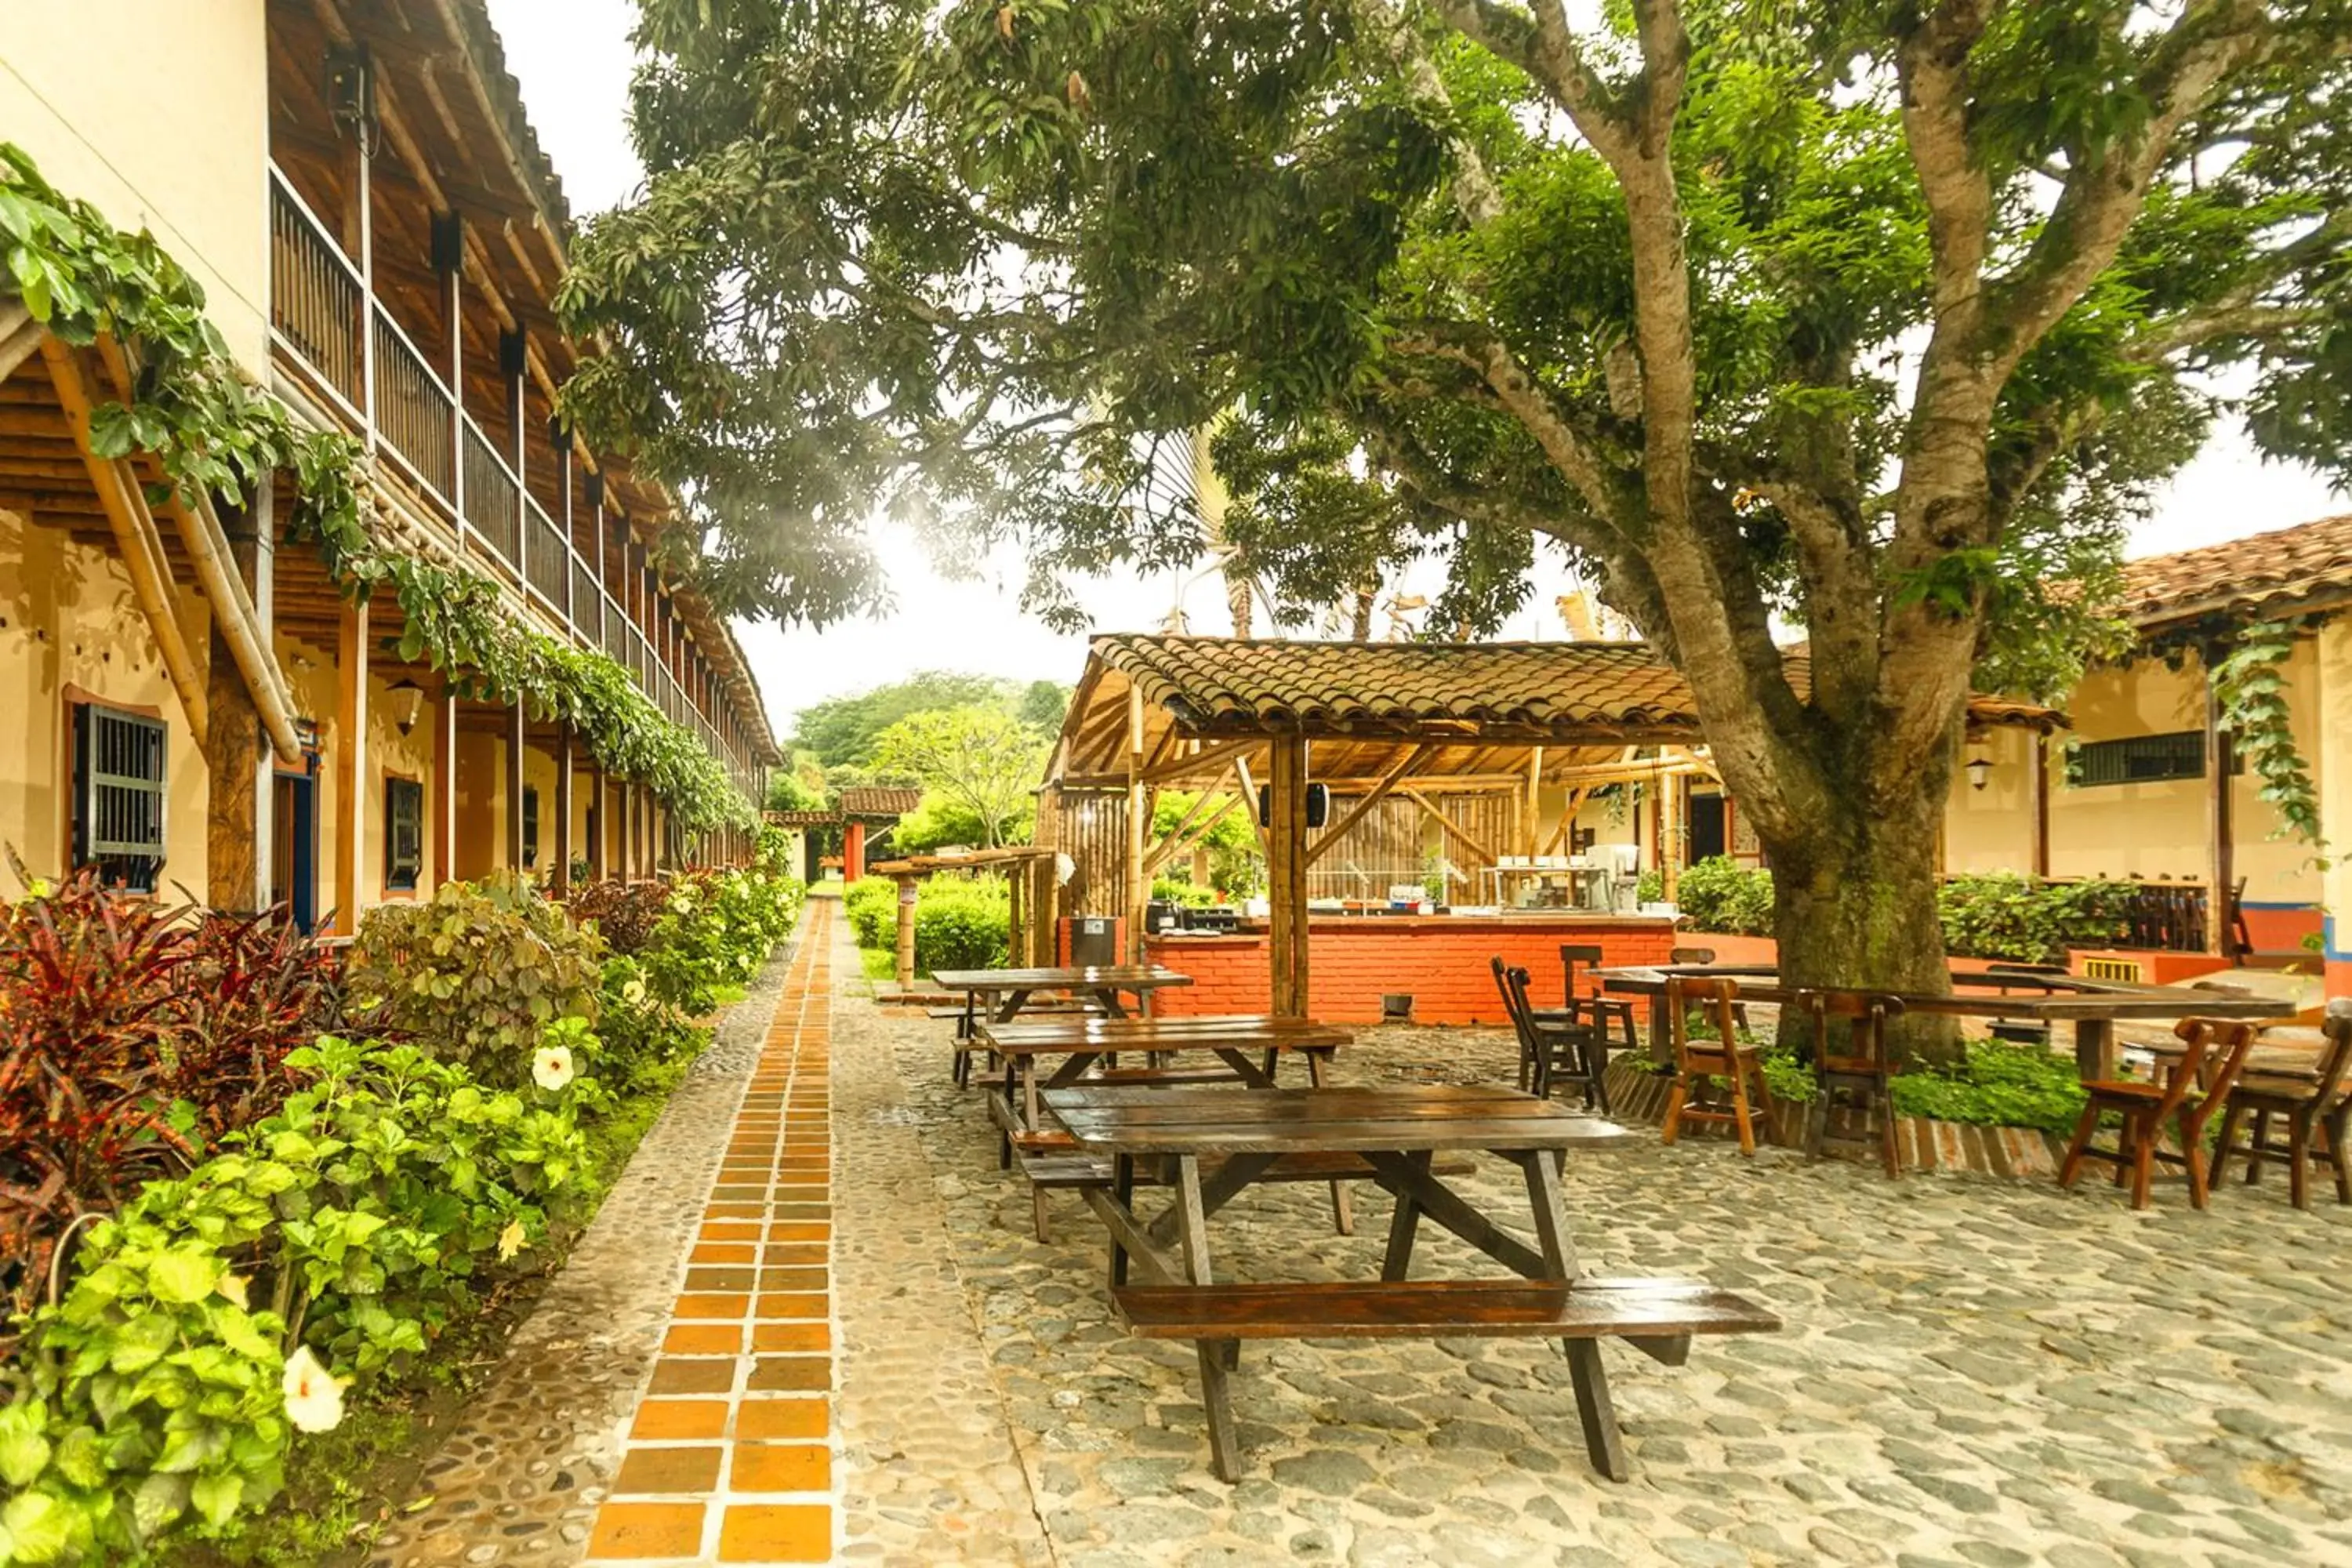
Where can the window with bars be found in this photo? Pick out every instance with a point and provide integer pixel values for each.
(118, 795)
(403, 834)
(2140, 759)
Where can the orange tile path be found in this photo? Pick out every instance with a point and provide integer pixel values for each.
(729, 1457)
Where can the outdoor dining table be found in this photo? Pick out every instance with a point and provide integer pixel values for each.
(1249, 1045)
(1213, 1145)
(2093, 1006)
(999, 996)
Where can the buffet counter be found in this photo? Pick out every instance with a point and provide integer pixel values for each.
(1439, 961)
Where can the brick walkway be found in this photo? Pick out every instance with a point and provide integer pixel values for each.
(729, 1457)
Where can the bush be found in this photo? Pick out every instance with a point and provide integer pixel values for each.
(718, 928)
(1169, 889)
(2014, 917)
(1997, 1085)
(872, 905)
(159, 1395)
(134, 1036)
(1720, 894)
(624, 914)
(963, 922)
(644, 1043)
(476, 974)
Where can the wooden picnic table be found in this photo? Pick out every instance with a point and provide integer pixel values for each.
(1249, 1045)
(1000, 994)
(1213, 1146)
(2093, 1006)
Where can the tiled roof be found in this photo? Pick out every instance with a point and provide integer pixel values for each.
(879, 802)
(2240, 575)
(1500, 691)
(800, 818)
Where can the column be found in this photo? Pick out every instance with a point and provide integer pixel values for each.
(853, 851)
(350, 763)
(239, 758)
(1286, 875)
(2220, 833)
(515, 735)
(564, 805)
(2335, 743)
(444, 785)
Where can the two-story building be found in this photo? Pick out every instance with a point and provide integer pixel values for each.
(192, 698)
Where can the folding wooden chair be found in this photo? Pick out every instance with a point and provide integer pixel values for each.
(1854, 1076)
(1696, 1060)
(2322, 1103)
(2198, 1088)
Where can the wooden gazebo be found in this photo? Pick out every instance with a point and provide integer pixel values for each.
(1369, 722)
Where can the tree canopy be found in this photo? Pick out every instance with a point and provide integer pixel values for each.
(1870, 315)
(981, 760)
(841, 731)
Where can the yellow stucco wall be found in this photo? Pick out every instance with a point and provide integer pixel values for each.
(157, 113)
(2148, 830)
(68, 618)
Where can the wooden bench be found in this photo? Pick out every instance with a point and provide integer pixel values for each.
(1656, 1317)
(1058, 1169)
(1014, 1133)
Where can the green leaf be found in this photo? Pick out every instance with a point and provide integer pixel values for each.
(24, 1449)
(183, 1275)
(215, 1496)
(39, 1527)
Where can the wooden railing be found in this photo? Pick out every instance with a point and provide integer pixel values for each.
(413, 410)
(358, 358)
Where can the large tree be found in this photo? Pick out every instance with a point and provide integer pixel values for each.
(1857, 315)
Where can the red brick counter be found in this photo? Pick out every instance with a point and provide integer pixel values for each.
(1440, 960)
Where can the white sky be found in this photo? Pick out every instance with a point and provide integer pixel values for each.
(573, 61)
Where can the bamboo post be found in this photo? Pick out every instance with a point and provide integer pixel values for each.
(1286, 868)
(350, 763)
(907, 893)
(1138, 827)
(514, 789)
(2221, 832)
(444, 787)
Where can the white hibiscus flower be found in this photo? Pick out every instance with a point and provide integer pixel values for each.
(314, 1398)
(551, 1066)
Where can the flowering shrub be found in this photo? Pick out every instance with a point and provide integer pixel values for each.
(646, 1042)
(717, 930)
(220, 1311)
(475, 976)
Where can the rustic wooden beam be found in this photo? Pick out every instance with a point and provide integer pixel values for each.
(2221, 830)
(1286, 885)
(1377, 792)
(1138, 825)
(136, 537)
(1249, 802)
(1179, 841)
(1448, 824)
(1205, 763)
(350, 763)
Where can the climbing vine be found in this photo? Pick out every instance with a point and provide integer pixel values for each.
(2250, 683)
(212, 431)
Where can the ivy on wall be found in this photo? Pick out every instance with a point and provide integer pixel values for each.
(2250, 683)
(212, 431)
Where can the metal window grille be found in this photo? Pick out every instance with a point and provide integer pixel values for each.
(118, 818)
(403, 833)
(2141, 759)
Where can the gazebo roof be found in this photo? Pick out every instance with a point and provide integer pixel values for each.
(1459, 701)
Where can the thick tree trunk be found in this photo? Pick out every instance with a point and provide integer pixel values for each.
(1854, 896)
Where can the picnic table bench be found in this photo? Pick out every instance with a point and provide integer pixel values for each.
(1248, 1047)
(1212, 1146)
(999, 996)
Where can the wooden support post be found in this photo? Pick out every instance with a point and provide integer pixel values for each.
(238, 760)
(1534, 816)
(600, 812)
(1138, 828)
(852, 852)
(1372, 797)
(907, 893)
(514, 789)
(2037, 795)
(444, 787)
(2221, 831)
(1045, 888)
(1286, 866)
(564, 805)
(350, 763)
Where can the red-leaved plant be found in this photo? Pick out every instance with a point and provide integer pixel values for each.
(134, 1035)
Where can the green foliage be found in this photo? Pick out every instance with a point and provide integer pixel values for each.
(1720, 894)
(1996, 1084)
(718, 930)
(1236, 867)
(2005, 916)
(787, 791)
(1176, 890)
(355, 1224)
(475, 974)
(981, 761)
(842, 730)
(1650, 887)
(2250, 681)
(962, 921)
(644, 1042)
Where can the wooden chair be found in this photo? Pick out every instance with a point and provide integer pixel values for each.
(1561, 1053)
(1855, 1076)
(1698, 1060)
(1603, 1010)
(2323, 1102)
(2198, 1088)
(1683, 955)
(1548, 1051)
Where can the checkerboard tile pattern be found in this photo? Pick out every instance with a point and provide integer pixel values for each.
(729, 1457)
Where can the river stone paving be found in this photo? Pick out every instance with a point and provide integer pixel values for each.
(1975, 1371)
(517, 1484)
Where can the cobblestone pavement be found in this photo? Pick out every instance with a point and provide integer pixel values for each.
(518, 1483)
(1975, 1371)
